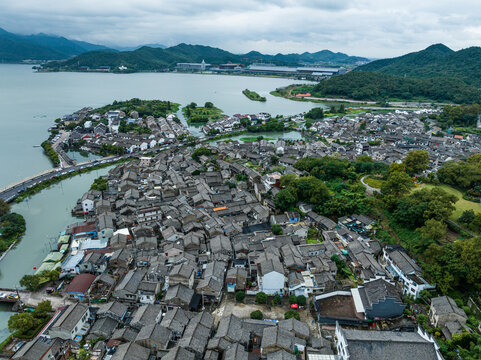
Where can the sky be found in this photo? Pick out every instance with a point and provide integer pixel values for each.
(370, 28)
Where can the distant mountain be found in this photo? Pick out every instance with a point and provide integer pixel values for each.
(320, 57)
(132, 48)
(148, 58)
(435, 61)
(15, 48)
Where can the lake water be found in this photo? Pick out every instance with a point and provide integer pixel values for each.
(31, 101)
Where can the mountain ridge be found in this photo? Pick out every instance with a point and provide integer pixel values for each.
(436, 60)
(16, 48)
(151, 59)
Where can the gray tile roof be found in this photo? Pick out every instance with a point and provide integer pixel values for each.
(155, 332)
(178, 353)
(70, 317)
(131, 351)
(446, 305)
(377, 291)
(295, 326)
(368, 345)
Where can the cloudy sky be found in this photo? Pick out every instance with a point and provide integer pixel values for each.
(371, 28)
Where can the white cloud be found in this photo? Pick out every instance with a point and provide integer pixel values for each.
(372, 28)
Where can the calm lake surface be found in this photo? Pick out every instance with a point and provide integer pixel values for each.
(30, 103)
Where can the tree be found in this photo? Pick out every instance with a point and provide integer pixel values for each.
(274, 160)
(209, 105)
(197, 153)
(285, 200)
(467, 217)
(288, 180)
(30, 282)
(276, 300)
(292, 299)
(21, 322)
(292, 314)
(397, 184)
(276, 229)
(301, 300)
(4, 207)
(240, 296)
(416, 161)
(471, 256)
(257, 315)
(261, 298)
(432, 231)
(43, 309)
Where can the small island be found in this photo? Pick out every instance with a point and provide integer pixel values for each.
(252, 95)
(202, 114)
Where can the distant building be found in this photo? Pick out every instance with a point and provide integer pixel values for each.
(192, 66)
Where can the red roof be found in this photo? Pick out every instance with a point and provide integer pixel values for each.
(88, 227)
(81, 283)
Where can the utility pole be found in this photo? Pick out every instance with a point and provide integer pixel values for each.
(19, 300)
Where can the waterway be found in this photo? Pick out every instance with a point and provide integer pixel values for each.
(31, 101)
(47, 214)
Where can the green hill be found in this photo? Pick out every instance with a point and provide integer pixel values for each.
(16, 48)
(435, 61)
(379, 87)
(147, 58)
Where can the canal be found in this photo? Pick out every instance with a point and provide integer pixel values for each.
(46, 214)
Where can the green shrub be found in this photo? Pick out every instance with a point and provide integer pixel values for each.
(240, 296)
(292, 314)
(257, 315)
(261, 298)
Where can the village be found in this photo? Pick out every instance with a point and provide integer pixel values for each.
(184, 251)
(183, 255)
(386, 136)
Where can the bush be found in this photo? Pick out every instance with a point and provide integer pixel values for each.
(201, 151)
(276, 229)
(292, 299)
(276, 300)
(261, 298)
(292, 314)
(257, 315)
(301, 300)
(240, 296)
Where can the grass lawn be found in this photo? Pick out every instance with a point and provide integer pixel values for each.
(461, 204)
(254, 138)
(375, 183)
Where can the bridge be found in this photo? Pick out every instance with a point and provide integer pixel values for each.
(10, 192)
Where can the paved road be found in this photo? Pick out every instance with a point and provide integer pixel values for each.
(9, 193)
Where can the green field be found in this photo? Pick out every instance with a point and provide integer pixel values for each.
(255, 138)
(375, 183)
(461, 204)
